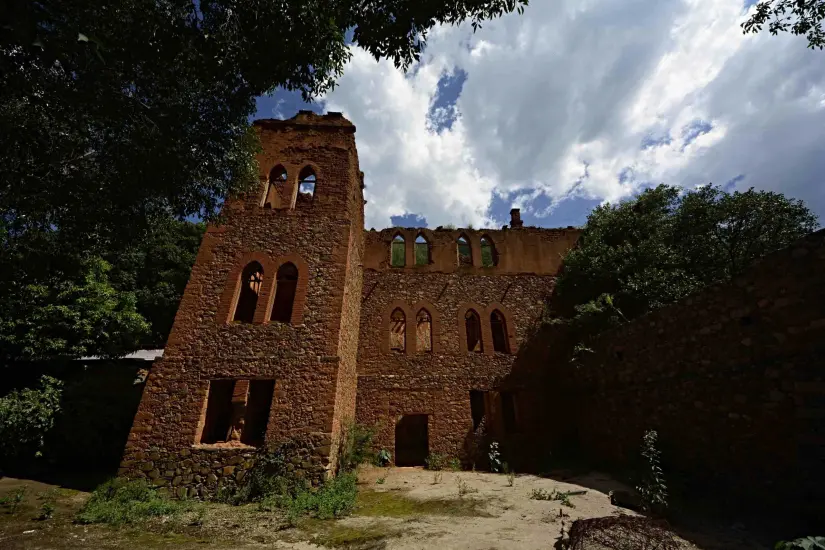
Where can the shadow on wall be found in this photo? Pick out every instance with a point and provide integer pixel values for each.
(98, 404)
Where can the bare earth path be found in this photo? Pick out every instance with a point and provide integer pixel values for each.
(398, 509)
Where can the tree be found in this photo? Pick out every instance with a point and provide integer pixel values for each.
(115, 114)
(156, 270)
(665, 244)
(800, 17)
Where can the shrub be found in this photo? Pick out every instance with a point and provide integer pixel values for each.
(383, 458)
(435, 461)
(333, 499)
(119, 502)
(652, 488)
(805, 543)
(356, 447)
(561, 496)
(454, 464)
(26, 416)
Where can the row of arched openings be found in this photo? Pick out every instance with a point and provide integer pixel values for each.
(422, 251)
(424, 331)
(276, 189)
(498, 329)
(252, 276)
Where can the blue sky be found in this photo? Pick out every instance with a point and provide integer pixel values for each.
(577, 103)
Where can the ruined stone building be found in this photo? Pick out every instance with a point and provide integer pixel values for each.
(296, 321)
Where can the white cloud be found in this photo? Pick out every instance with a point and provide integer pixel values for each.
(558, 102)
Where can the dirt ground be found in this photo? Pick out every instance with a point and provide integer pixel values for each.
(397, 509)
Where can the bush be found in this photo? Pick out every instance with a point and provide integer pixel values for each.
(118, 502)
(26, 416)
(356, 447)
(335, 498)
(652, 488)
(435, 461)
(383, 458)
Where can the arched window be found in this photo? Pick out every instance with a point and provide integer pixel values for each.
(465, 252)
(286, 282)
(422, 250)
(275, 188)
(398, 331)
(489, 256)
(251, 279)
(498, 326)
(306, 184)
(472, 324)
(424, 331)
(398, 251)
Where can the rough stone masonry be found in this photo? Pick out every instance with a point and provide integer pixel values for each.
(296, 321)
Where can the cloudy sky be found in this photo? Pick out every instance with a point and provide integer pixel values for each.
(578, 102)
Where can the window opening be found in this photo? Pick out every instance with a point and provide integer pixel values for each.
(477, 408)
(465, 252)
(218, 411)
(509, 412)
(424, 331)
(275, 189)
(498, 327)
(398, 331)
(286, 282)
(398, 251)
(251, 279)
(422, 250)
(489, 256)
(472, 324)
(306, 184)
(258, 406)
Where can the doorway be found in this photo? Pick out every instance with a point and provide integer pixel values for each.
(411, 440)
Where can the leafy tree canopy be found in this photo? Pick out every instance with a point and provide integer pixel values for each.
(800, 17)
(657, 248)
(115, 113)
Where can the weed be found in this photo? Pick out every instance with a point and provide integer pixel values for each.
(119, 502)
(495, 457)
(46, 511)
(383, 458)
(511, 475)
(652, 488)
(356, 447)
(435, 461)
(381, 480)
(561, 496)
(334, 498)
(463, 488)
(437, 477)
(12, 502)
(454, 464)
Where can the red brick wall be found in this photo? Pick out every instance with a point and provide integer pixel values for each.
(733, 379)
(311, 359)
(391, 384)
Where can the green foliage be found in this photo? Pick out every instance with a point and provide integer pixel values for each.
(653, 488)
(494, 457)
(118, 502)
(70, 311)
(111, 116)
(804, 543)
(798, 17)
(435, 461)
(46, 511)
(422, 254)
(356, 447)
(487, 259)
(12, 502)
(454, 464)
(26, 416)
(663, 245)
(398, 254)
(561, 496)
(156, 269)
(335, 498)
(383, 458)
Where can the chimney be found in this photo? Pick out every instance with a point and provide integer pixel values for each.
(515, 218)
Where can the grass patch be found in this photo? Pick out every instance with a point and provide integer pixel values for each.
(335, 498)
(394, 505)
(335, 535)
(119, 502)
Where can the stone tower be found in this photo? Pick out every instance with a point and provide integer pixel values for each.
(264, 344)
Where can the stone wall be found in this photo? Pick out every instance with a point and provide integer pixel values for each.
(438, 383)
(311, 358)
(733, 379)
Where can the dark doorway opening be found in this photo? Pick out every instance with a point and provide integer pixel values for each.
(411, 440)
